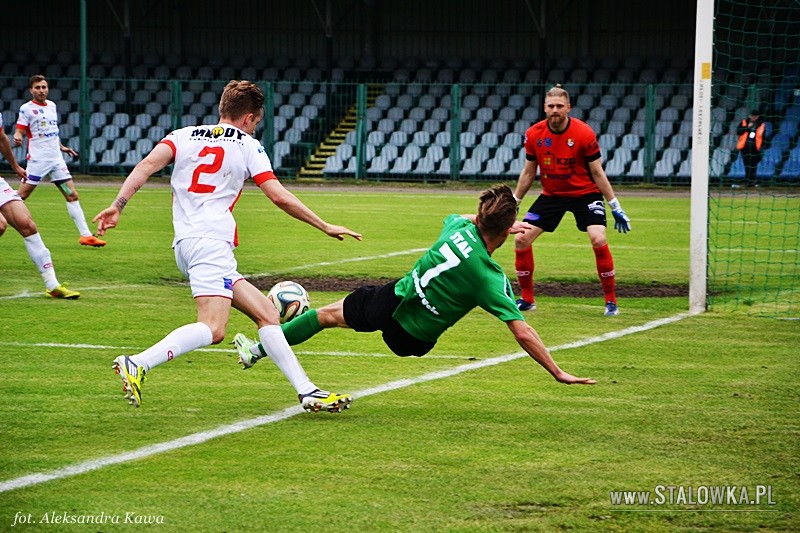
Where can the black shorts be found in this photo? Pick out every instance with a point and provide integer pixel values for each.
(370, 308)
(547, 211)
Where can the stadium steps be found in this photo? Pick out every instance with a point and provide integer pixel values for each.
(316, 162)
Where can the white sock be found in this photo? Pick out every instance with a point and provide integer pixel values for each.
(40, 256)
(281, 353)
(76, 213)
(180, 341)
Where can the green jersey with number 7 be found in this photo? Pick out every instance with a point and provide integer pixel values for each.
(455, 275)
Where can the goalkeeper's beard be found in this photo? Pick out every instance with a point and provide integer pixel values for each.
(557, 123)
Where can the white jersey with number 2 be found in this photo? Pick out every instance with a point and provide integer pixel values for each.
(211, 166)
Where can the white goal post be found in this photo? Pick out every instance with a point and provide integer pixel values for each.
(701, 127)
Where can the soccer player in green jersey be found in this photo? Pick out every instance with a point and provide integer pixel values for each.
(414, 311)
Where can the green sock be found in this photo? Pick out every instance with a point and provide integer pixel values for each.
(302, 328)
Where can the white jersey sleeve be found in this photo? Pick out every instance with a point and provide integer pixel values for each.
(40, 123)
(211, 166)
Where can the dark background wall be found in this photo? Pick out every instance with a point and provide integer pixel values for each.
(366, 31)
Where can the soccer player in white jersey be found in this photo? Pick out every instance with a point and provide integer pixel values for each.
(211, 164)
(38, 120)
(14, 213)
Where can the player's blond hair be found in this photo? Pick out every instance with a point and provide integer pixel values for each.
(240, 98)
(558, 91)
(497, 210)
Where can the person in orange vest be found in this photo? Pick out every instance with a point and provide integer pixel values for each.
(753, 131)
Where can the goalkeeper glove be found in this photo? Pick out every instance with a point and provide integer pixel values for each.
(622, 222)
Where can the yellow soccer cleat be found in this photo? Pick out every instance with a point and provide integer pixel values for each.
(243, 345)
(132, 378)
(91, 240)
(63, 293)
(323, 400)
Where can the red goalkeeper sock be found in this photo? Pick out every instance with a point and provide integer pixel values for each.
(605, 269)
(524, 266)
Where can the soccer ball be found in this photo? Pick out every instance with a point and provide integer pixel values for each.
(290, 298)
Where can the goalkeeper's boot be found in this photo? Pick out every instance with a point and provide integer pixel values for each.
(243, 345)
(64, 293)
(91, 240)
(524, 305)
(611, 309)
(319, 400)
(132, 378)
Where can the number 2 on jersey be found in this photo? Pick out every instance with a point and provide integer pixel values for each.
(207, 168)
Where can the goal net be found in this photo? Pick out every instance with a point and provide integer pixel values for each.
(753, 224)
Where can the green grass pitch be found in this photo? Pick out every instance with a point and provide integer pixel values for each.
(700, 402)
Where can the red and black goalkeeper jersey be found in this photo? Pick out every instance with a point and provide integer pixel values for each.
(563, 158)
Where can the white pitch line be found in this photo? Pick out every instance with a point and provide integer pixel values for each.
(132, 349)
(237, 427)
(343, 261)
(28, 294)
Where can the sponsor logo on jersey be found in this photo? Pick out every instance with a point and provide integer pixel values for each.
(548, 142)
(217, 132)
(565, 161)
(539, 143)
(547, 160)
(570, 142)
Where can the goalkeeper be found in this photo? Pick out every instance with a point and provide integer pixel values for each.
(453, 277)
(566, 152)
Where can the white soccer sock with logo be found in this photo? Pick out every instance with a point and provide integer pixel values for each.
(40, 256)
(180, 341)
(76, 213)
(281, 353)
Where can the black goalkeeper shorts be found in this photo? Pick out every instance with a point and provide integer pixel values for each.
(370, 308)
(547, 211)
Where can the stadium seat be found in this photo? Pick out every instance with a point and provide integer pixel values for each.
(401, 166)
(495, 167)
(376, 138)
(679, 141)
(631, 141)
(791, 169)
(398, 138)
(385, 125)
(417, 114)
(614, 167)
(424, 166)
(607, 141)
(333, 164)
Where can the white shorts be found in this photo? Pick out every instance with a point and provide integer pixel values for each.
(57, 170)
(7, 193)
(209, 265)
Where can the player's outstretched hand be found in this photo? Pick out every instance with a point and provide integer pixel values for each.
(569, 379)
(339, 232)
(71, 152)
(520, 227)
(106, 219)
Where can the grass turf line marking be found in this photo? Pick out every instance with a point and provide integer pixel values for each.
(132, 349)
(37, 294)
(341, 261)
(236, 427)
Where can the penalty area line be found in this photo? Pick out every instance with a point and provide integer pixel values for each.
(237, 427)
